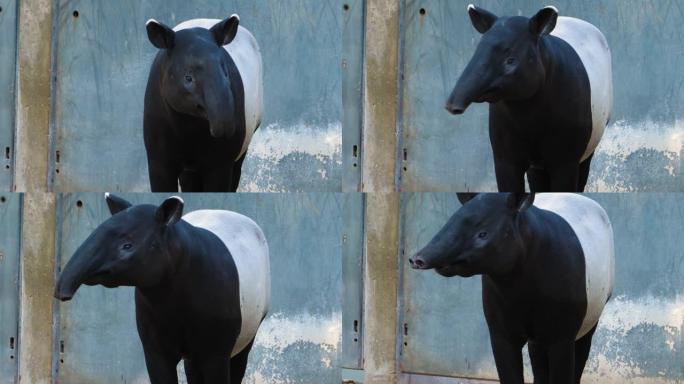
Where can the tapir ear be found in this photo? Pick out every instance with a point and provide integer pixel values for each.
(465, 197)
(544, 21)
(520, 202)
(482, 19)
(115, 203)
(225, 31)
(170, 211)
(160, 35)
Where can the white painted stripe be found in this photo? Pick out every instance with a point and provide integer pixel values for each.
(595, 233)
(592, 48)
(245, 52)
(246, 242)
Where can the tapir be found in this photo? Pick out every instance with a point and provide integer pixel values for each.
(203, 103)
(202, 284)
(548, 82)
(547, 266)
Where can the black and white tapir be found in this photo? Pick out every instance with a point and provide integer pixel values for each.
(548, 82)
(202, 284)
(547, 272)
(203, 103)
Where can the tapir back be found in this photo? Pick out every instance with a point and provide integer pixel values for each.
(247, 244)
(593, 229)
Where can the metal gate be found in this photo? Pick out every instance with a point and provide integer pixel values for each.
(96, 339)
(640, 335)
(8, 54)
(102, 58)
(10, 244)
(642, 147)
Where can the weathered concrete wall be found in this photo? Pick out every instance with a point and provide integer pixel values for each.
(33, 96)
(102, 61)
(642, 147)
(37, 274)
(640, 336)
(380, 287)
(380, 96)
(299, 342)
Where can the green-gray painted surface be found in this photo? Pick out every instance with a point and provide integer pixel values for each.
(352, 93)
(102, 62)
(642, 147)
(10, 248)
(8, 55)
(299, 342)
(352, 277)
(640, 336)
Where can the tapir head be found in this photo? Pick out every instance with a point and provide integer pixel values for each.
(483, 237)
(195, 76)
(508, 63)
(131, 248)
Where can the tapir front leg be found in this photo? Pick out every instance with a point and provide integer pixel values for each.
(161, 366)
(163, 162)
(510, 176)
(508, 359)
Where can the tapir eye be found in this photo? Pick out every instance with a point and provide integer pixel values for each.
(127, 246)
(482, 235)
(188, 78)
(510, 61)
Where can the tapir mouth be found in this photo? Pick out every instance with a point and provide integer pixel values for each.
(456, 268)
(489, 96)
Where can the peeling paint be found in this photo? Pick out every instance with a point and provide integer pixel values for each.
(638, 155)
(294, 157)
(304, 343)
(654, 324)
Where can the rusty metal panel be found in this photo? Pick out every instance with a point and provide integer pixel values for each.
(10, 249)
(102, 61)
(96, 339)
(640, 336)
(642, 147)
(8, 55)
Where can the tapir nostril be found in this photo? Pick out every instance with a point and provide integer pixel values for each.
(454, 110)
(417, 263)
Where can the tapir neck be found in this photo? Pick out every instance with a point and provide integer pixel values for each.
(179, 249)
(527, 230)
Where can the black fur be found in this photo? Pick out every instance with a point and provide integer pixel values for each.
(533, 282)
(540, 119)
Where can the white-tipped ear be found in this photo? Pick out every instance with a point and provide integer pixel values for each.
(481, 18)
(170, 211)
(225, 31)
(115, 203)
(544, 21)
(159, 34)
